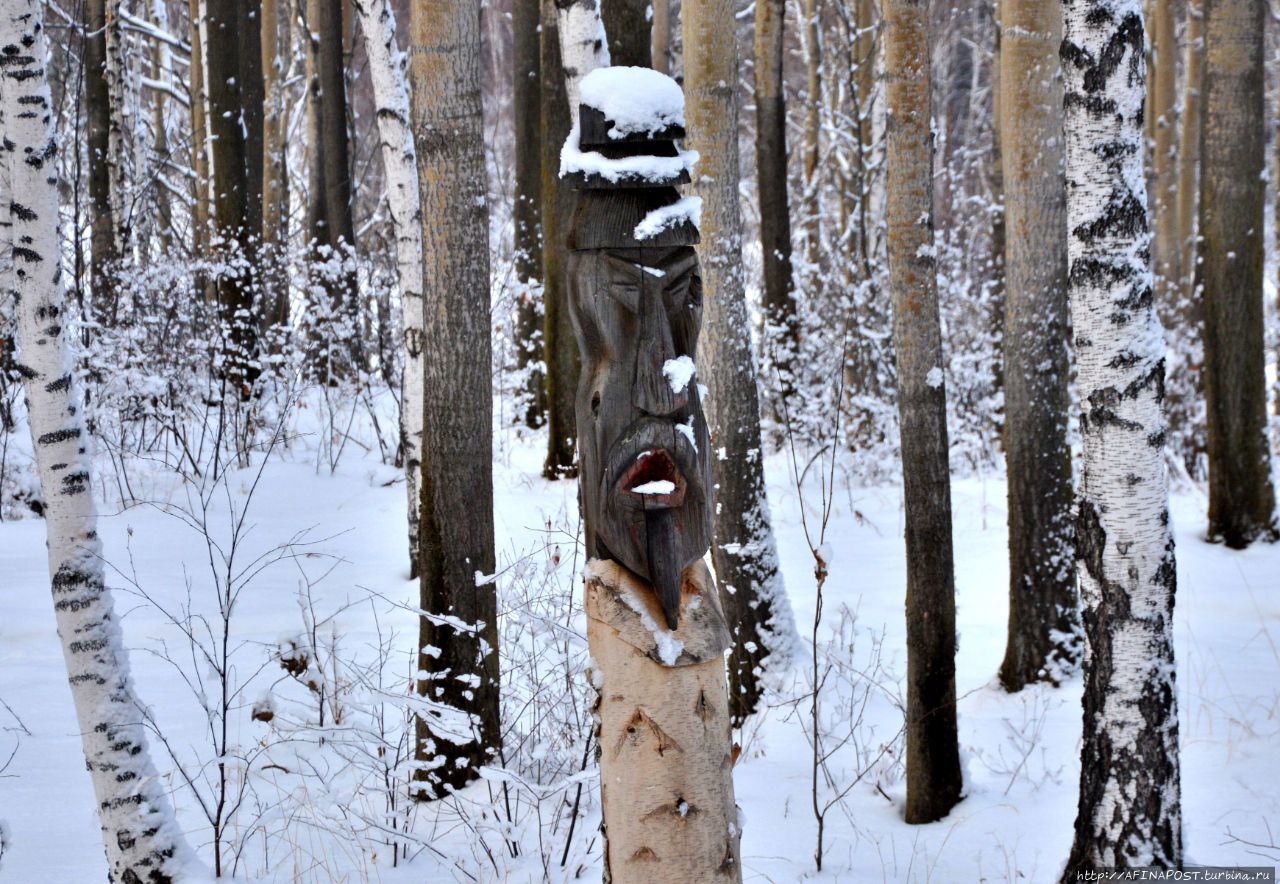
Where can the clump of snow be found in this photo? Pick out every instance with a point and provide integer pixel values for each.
(934, 377)
(686, 430)
(657, 486)
(636, 100)
(687, 208)
(575, 160)
(678, 372)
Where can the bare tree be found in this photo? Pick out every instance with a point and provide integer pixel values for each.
(1129, 811)
(1164, 118)
(458, 639)
(933, 760)
(743, 551)
(103, 255)
(1232, 220)
(1043, 620)
(139, 832)
(277, 45)
(527, 210)
(400, 162)
(232, 197)
(771, 171)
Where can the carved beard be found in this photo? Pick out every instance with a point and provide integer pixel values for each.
(645, 452)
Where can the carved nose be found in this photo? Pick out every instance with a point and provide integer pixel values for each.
(655, 391)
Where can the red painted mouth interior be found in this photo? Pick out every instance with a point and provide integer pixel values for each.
(655, 466)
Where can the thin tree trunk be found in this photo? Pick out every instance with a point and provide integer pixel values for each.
(1164, 105)
(812, 206)
(235, 283)
(276, 51)
(933, 761)
(662, 36)
(103, 255)
(1043, 620)
(771, 169)
(743, 550)
(560, 351)
(1129, 812)
(527, 211)
(253, 101)
(399, 159)
(199, 133)
(1232, 216)
(118, 133)
(630, 35)
(139, 832)
(1189, 148)
(456, 545)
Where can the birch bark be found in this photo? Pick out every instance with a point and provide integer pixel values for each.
(933, 761)
(743, 551)
(1129, 795)
(400, 162)
(139, 833)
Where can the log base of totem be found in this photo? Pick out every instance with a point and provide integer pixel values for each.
(663, 733)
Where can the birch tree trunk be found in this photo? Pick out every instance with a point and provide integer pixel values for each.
(1189, 148)
(399, 159)
(743, 551)
(771, 169)
(277, 48)
(102, 255)
(627, 22)
(668, 803)
(1129, 812)
(459, 642)
(139, 833)
(933, 761)
(527, 211)
(1232, 219)
(1043, 618)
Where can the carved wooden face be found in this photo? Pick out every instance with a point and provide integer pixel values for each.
(645, 452)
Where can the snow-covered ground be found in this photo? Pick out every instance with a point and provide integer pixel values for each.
(1020, 751)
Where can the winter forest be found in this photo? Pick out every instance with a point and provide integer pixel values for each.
(638, 440)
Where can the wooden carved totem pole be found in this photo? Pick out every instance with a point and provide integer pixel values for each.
(655, 628)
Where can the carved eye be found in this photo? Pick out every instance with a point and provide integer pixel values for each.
(624, 282)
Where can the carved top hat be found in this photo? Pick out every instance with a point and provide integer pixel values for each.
(623, 159)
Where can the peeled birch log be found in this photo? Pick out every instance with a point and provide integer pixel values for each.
(663, 734)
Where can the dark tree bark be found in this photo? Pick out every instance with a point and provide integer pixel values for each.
(253, 100)
(231, 187)
(771, 168)
(559, 348)
(1232, 213)
(527, 212)
(1129, 810)
(744, 550)
(1043, 623)
(933, 759)
(103, 255)
(459, 635)
(626, 22)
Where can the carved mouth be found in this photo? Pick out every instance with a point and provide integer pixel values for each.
(654, 477)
